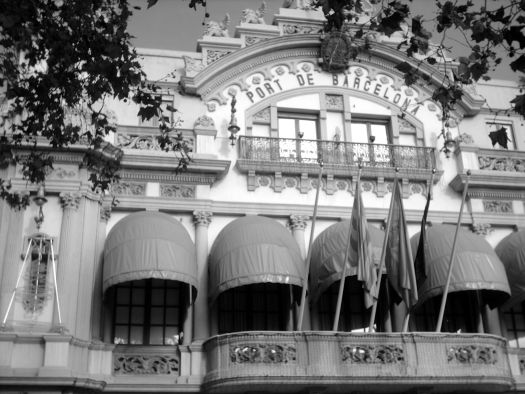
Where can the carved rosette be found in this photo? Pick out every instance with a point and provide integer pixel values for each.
(472, 354)
(263, 353)
(70, 200)
(298, 222)
(373, 354)
(139, 364)
(202, 218)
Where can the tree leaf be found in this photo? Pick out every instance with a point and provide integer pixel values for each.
(151, 3)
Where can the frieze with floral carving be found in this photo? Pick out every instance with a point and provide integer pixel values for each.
(129, 189)
(472, 354)
(263, 353)
(373, 354)
(497, 206)
(139, 364)
(144, 142)
(177, 191)
(501, 164)
(214, 55)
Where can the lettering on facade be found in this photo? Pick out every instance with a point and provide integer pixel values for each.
(353, 79)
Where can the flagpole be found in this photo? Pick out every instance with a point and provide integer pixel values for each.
(309, 253)
(452, 256)
(429, 195)
(347, 251)
(383, 256)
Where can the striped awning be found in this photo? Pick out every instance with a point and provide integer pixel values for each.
(328, 252)
(476, 265)
(148, 245)
(511, 251)
(254, 249)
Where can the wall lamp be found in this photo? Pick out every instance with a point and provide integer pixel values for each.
(233, 128)
(40, 199)
(449, 144)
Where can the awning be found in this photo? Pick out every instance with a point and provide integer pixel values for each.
(511, 251)
(476, 265)
(254, 249)
(328, 253)
(149, 245)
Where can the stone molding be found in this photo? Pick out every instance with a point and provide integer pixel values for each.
(70, 200)
(202, 218)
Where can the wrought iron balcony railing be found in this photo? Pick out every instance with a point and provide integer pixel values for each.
(287, 150)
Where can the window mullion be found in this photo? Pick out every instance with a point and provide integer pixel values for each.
(147, 312)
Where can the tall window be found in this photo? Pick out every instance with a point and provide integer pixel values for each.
(299, 132)
(461, 313)
(371, 131)
(498, 126)
(39, 258)
(515, 323)
(166, 114)
(263, 306)
(149, 312)
(354, 317)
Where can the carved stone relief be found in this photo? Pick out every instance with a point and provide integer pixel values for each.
(481, 228)
(263, 116)
(501, 164)
(472, 354)
(129, 189)
(204, 121)
(192, 66)
(298, 222)
(300, 29)
(497, 206)
(250, 40)
(214, 55)
(144, 142)
(334, 102)
(140, 364)
(177, 191)
(263, 353)
(373, 354)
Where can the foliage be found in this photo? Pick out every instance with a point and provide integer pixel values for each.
(62, 61)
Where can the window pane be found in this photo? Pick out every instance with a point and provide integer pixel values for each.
(157, 315)
(379, 131)
(122, 315)
(171, 336)
(172, 316)
(359, 133)
(157, 283)
(308, 128)
(407, 139)
(121, 335)
(138, 296)
(123, 295)
(157, 296)
(156, 336)
(172, 296)
(287, 128)
(137, 315)
(136, 335)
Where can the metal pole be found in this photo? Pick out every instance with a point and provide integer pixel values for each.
(347, 251)
(56, 283)
(452, 256)
(383, 256)
(309, 253)
(16, 284)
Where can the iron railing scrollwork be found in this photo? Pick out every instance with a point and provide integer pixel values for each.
(289, 150)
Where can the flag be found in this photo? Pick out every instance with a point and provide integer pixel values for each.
(360, 253)
(398, 259)
(420, 265)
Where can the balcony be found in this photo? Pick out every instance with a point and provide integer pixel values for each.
(495, 174)
(278, 156)
(353, 362)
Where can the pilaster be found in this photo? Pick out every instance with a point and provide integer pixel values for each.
(13, 221)
(202, 220)
(69, 261)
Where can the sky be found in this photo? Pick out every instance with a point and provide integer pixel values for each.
(171, 24)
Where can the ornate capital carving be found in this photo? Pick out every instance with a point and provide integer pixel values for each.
(298, 222)
(70, 200)
(481, 228)
(202, 218)
(105, 213)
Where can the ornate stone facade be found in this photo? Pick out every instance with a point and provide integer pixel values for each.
(129, 189)
(202, 218)
(263, 353)
(497, 206)
(143, 364)
(298, 222)
(472, 354)
(177, 191)
(373, 354)
(70, 200)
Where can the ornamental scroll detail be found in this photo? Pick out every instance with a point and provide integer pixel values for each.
(368, 354)
(501, 164)
(124, 364)
(263, 353)
(472, 354)
(144, 142)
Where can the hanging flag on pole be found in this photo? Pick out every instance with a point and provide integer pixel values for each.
(361, 248)
(398, 259)
(420, 266)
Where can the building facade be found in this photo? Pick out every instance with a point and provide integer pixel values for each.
(191, 281)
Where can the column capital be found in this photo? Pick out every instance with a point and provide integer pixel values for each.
(70, 200)
(202, 218)
(298, 222)
(105, 213)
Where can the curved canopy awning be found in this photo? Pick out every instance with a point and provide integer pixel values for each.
(147, 245)
(328, 253)
(254, 249)
(511, 251)
(476, 265)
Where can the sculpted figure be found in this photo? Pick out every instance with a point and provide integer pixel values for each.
(218, 29)
(254, 16)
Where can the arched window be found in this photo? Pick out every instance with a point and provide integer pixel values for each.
(149, 312)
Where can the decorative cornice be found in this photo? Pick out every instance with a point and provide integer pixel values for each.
(202, 218)
(70, 200)
(491, 184)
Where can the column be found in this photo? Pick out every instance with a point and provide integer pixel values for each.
(69, 253)
(97, 310)
(13, 220)
(202, 220)
(298, 225)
